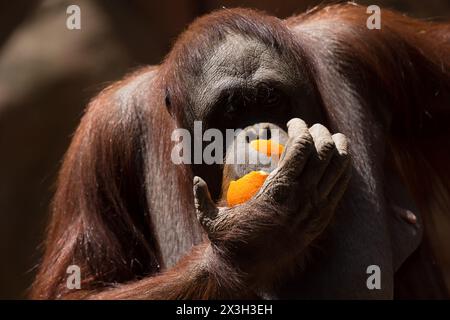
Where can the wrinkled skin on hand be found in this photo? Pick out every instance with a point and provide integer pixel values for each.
(292, 208)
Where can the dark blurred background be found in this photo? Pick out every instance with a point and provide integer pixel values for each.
(47, 75)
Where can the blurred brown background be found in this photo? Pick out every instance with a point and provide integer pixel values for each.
(47, 75)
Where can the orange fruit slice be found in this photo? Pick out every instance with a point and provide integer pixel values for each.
(244, 188)
(268, 147)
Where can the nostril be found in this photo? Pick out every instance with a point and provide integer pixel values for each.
(247, 139)
(269, 135)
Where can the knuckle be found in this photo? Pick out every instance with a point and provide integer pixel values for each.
(322, 137)
(339, 136)
(304, 139)
(340, 140)
(295, 121)
(296, 126)
(325, 146)
(318, 130)
(317, 127)
(301, 147)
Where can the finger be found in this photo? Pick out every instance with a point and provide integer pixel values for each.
(205, 208)
(338, 190)
(299, 146)
(338, 164)
(318, 160)
(280, 184)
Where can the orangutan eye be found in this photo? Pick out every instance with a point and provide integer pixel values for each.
(267, 95)
(231, 104)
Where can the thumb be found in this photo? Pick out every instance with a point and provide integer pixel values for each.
(205, 208)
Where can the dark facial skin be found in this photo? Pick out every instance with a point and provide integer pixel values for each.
(245, 82)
